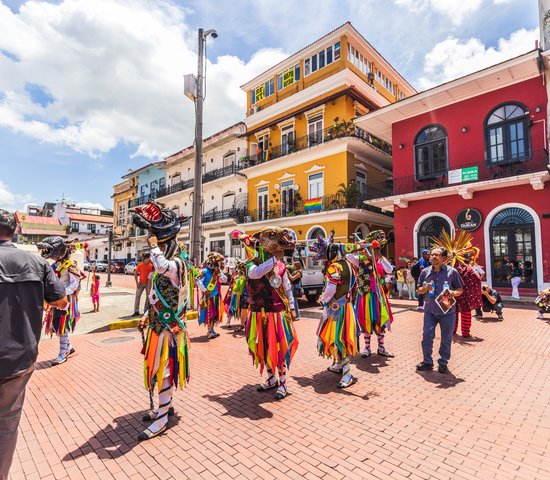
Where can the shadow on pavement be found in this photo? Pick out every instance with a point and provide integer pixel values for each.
(115, 441)
(466, 340)
(325, 382)
(442, 380)
(371, 364)
(245, 402)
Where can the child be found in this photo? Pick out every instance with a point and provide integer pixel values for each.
(94, 292)
(543, 302)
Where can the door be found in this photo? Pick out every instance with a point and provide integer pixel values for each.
(315, 130)
(287, 197)
(513, 238)
(287, 140)
(263, 203)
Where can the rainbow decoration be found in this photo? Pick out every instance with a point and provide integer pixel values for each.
(313, 204)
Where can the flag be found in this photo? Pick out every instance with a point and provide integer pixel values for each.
(313, 204)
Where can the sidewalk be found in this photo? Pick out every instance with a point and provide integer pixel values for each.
(488, 419)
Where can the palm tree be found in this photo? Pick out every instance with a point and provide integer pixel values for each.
(349, 192)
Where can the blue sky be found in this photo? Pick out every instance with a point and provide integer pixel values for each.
(92, 88)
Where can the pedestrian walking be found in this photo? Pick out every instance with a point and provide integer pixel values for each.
(515, 279)
(26, 280)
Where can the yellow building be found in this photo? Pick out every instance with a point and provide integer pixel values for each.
(308, 166)
(123, 194)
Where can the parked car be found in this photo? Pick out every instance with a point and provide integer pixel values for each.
(129, 268)
(100, 266)
(86, 266)
(117, 267)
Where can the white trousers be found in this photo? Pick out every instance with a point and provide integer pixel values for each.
(515, 284)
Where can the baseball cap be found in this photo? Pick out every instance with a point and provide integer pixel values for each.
(425, 251)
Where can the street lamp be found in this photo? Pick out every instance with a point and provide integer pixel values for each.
(108, 283)
(196, 219)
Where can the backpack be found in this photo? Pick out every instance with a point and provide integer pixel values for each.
(415, 270)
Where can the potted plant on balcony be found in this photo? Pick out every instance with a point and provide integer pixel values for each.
(349, 192)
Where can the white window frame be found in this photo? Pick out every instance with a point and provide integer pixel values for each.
(262, 192)
(309, 60)
(314, 120)
(316, 185)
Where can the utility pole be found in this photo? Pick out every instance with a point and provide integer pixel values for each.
(196, 219)
(108, 283)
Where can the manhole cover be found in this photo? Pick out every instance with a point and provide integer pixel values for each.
(117, 340)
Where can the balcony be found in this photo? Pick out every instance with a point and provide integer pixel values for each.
(236, 214)
(327, 203)
(403, 185)
(342, 130)
(227, 171)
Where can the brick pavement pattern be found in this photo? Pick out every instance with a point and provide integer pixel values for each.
(488, 419)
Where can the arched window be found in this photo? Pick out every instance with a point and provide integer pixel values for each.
(513, 238)
(430, 152)
(431, 227)
(228, 201)
(506, 134)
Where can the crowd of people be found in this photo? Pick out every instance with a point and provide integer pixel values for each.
(261, 299)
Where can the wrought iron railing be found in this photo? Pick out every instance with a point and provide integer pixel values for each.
(537, 162)
(304, 207)
(229, 214)
(221, 172)
(313, 139)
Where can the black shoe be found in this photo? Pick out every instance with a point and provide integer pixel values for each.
(443, 369)
(136, 314)
(424, 367)
(151, 415)
(500, 317)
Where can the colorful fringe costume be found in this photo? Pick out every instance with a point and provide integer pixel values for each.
(270, 333)
(470, 298)
(211, 306)
(372, 307)
(63, 322)
(166, 348)
(236, 298)
(338, 331)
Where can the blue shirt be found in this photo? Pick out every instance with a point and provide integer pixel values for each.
(446, 274)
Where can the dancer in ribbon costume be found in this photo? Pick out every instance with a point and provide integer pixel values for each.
(236, 299)
(338, 331)
(167, 344)
(211, 307)
(63, 322)
(270, 333)
(372, 307)
(462, 255)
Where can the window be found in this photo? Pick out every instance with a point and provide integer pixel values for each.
(507, 137)
(315, 185)
(262, 203)
(228, 201)
(121, 214)
(431, 227)
(229, 159)
(321, 59)
(154, 186)
(430, 149)
(143, 190)
(361, 182)
(91, 227)
(75, 226)
(265, 90)
(176, 178)
(287, 139)
(162, 183)
(218, 246)
(288, 77)
(315, 129)
(287, 197)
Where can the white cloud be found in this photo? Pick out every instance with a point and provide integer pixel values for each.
(456, 10)
(90, 205)
(12, 201)
(453, 58)
(115, 77)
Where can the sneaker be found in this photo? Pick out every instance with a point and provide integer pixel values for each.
(269, 384)
(424, 367)
(365, 353)
(59, 360)
(419, 309)
(443, 369)
(71, 351)
(540, 316)
(500, 317)
(385, 353)
(347, 382)
(281, 392)
(335, 368)
(148, 434)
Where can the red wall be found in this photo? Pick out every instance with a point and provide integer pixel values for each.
(484, 201)
(465, 148)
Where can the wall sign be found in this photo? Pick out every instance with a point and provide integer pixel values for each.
(463, 175)
(468, 219)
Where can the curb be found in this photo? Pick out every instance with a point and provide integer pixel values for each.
(119, 324)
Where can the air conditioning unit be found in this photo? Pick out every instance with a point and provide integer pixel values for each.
(255, 109)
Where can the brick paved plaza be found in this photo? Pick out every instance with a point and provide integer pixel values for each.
(488, 419)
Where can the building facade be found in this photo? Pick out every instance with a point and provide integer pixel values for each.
(223, 188)
(308, 166)
(124, 193)
(33, 228)
(472, 154)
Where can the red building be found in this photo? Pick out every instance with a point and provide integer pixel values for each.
(472, 154)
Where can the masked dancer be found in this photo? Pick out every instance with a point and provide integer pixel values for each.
(166, 345)
(338, 331)
(63, 322)
(270, 333)
(211, 306)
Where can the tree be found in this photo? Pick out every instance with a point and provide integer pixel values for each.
(349, 192)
